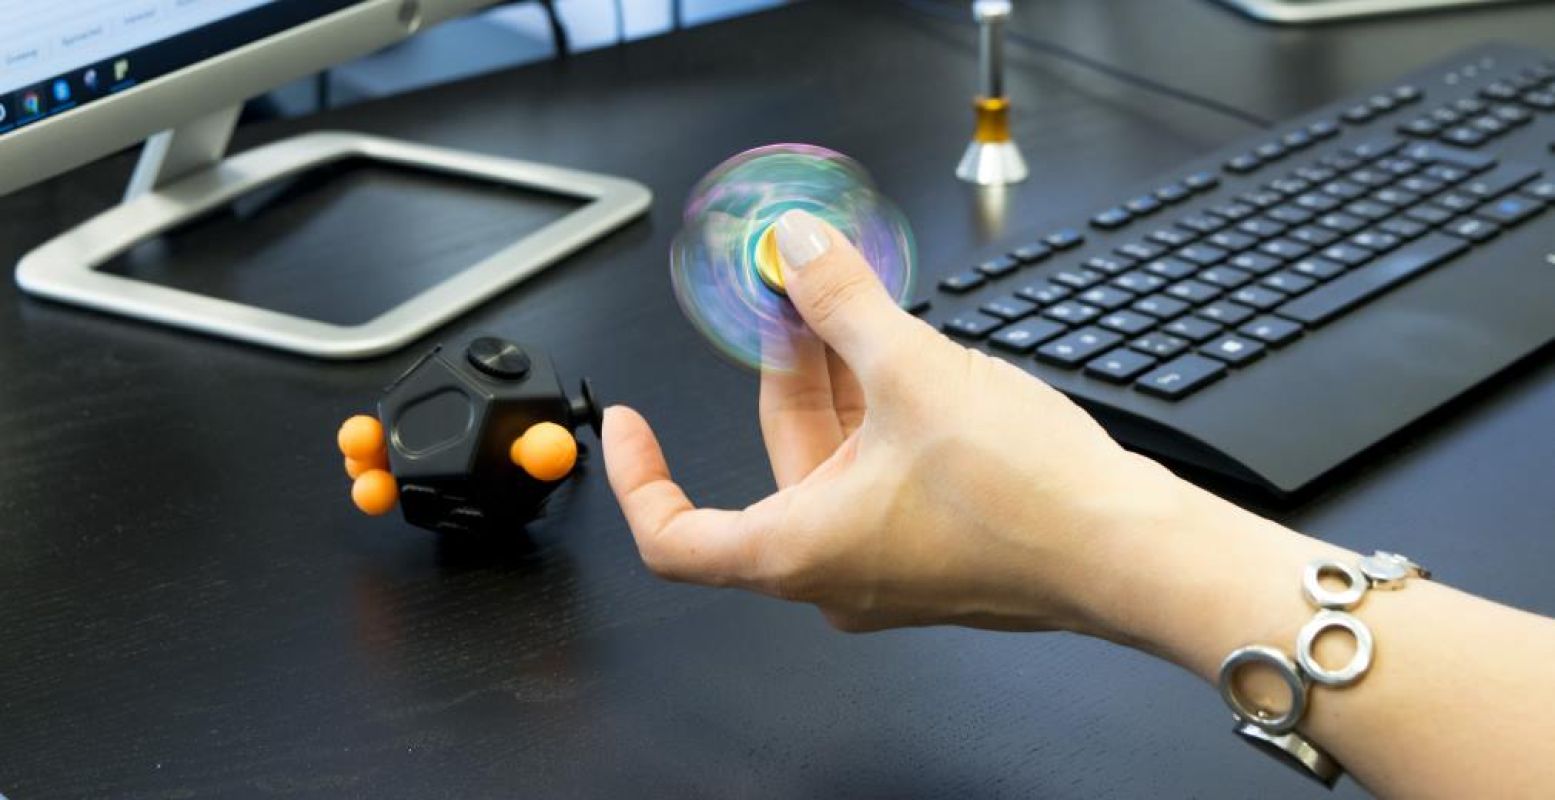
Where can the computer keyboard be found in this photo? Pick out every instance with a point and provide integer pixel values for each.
(1273, 310)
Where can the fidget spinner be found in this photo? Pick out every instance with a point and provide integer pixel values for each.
(725, 264)
(469, 439)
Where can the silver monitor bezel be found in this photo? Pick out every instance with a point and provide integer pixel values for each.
(59, 143)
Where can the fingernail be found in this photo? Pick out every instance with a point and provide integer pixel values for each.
(801, 238)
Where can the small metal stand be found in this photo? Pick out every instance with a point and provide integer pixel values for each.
(992, 159)
(182, 175)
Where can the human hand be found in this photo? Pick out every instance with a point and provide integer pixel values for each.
(919, 482)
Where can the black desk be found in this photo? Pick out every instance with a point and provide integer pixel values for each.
(190, 607)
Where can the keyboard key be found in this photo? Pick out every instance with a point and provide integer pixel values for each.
(1368, 209)
(962, 282)
(1288, 282)
(1243, 164)
(1510, 210)
(1127, 322)
(1009, 308)
(1172, 193)
(1202, 223)
(1141, 251)
(1317, 268)
(1106, 298)
(1201, 181)
(1314, 236)
(1376, 241)
(1347, 254)
(1076, 347)
(1119, 366)
(1475, 230)
(1202, 254)
(1181, 377)
(1404, 228)
(1343, 223)
(1500, 180)
(1139, 282)
(1258, 297)
(1171, 268)
(1261, 199)
(1290, 214)
(1171, 237)
(1261, 227)
(1272, 330)
(1464, 136)
(1428, 214)
(1224, 277)
(998, 267)
(1031, 253)
(1193, 292)
(1284, 249)
(1111, 219)
(1376, 148)
(1544, 190)
(1077, 278)
(1234, 350)
(971, 325)
(917, 307)
(1194, 329)
(1225, 312)
(1232, 241)
(1109, 265)
(1160, 345)
(1340, 295)
(1143, 204)
(1323, 129)
(1160, 306)
(1431, 153)
(1256, 263)
(1024, 336)
(1421, 185)
(1314, 201)
(1234, 211)
(1064, 239)
(1072, 313)
(1043, 294)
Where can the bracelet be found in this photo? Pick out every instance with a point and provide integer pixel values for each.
(1276, 734)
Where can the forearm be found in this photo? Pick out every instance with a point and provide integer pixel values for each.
(1460, 698)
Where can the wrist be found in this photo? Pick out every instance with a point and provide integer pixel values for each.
(1190, 577)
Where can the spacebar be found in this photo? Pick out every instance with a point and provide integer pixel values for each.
(1332, 299)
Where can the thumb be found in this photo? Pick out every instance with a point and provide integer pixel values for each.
(835, 290)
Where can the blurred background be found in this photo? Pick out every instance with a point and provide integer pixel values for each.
(505, 36)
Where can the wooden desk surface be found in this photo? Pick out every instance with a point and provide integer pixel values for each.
(190, 607)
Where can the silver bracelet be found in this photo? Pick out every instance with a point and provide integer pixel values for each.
(1276, 734)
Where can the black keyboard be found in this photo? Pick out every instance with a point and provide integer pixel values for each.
(1273, 310)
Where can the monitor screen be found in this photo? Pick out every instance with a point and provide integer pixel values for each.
(58, 55)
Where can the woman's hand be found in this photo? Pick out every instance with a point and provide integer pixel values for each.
(919, 482)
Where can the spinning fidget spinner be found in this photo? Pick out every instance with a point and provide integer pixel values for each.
(725, 264)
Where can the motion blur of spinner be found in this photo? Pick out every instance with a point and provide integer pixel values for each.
(725, 265)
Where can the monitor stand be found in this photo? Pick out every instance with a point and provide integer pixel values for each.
(1296, 12)
(184, 174)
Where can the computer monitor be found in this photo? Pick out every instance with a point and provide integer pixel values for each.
(1296, 12)
(80, 79)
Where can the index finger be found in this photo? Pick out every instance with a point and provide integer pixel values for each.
(676, 539)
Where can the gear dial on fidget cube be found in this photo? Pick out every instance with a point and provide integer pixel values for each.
(725, 264)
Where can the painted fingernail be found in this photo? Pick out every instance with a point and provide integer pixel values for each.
(801, 238)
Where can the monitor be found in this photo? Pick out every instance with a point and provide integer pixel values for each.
(80, 79)
(1309, 11)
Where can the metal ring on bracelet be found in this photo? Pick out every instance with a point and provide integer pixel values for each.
(1323, 597)
(1322, 622)
(1288, 671)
